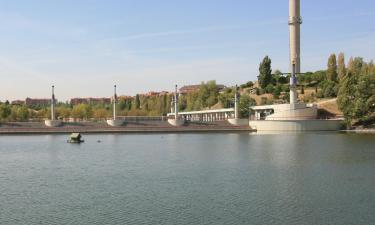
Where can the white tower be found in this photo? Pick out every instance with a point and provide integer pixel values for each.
(53, 122)
(295, 22)
(175, 121)
(114, 122)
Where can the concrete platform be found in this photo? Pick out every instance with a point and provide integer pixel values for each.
(295, 125)
(131, 127)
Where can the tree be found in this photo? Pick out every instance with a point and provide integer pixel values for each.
(269, 88)
(244, 105)
(332, 68)
(137, 102)
(5, 111)
(265, 72)
(22, 113)
(355, 66)
(165, 104)
(81, 111)
(63, 112)
(100, 113)
(226, 98)
(329, 89)
(341, 70)
(247, 84)
(356, 97)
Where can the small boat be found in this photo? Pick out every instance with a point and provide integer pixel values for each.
(76, 138)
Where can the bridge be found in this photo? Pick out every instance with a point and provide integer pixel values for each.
(206, 115)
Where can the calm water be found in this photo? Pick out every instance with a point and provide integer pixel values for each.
(312, 178)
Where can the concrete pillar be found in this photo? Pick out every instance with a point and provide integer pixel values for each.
(295, 22)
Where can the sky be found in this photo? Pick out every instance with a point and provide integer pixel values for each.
(84, 47)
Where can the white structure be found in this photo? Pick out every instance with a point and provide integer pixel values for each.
(294, 116)
(53, 122)
(207, 115)
(115, 121)
(176, 121)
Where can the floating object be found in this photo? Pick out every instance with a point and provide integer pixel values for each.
(75, 138)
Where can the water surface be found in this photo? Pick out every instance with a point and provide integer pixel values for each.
(305, 178)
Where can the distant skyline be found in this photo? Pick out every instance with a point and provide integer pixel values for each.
(83, 47)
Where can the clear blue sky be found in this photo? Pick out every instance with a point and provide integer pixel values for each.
(85, 46)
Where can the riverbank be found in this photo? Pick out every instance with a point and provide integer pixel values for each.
(369, 131)
(130, 127)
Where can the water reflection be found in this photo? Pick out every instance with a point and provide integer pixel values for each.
(289, 178)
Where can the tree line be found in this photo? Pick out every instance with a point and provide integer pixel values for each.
(353, 83)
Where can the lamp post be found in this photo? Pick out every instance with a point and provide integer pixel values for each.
(53, 104)
(114, 102)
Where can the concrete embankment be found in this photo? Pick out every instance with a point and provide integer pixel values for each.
(130, 127)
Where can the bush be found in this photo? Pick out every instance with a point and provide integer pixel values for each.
(283, 80)
(270, 88)
(320, 94)
(247, 85)
(329, 88)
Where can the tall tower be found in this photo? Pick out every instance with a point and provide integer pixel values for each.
(295, 22)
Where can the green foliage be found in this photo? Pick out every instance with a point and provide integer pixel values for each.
(5, 111)
(244, 105)
(269, 89)
(81, 111)
(282, 80)
(265, 72)
(227, 97)
(208, 94)
(22, 113)
(356, 98)
(319, 76)
(332, 68)
(137, 102)
(329, 89)
(277, 91)
(341, 69)
(247, 85)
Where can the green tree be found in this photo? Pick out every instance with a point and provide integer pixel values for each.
(22, 113)
(63, 112)
(265, 72)
(5, 111)
(226, 98)
(356, 97)
(341, 69)
(137, 102)
(332, 68)
(244, 105)
(81, 111)
(355, 66)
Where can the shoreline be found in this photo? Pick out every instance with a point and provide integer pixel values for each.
(369, 131)
(141, 127)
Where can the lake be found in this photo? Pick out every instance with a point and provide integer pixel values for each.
(238, 178)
